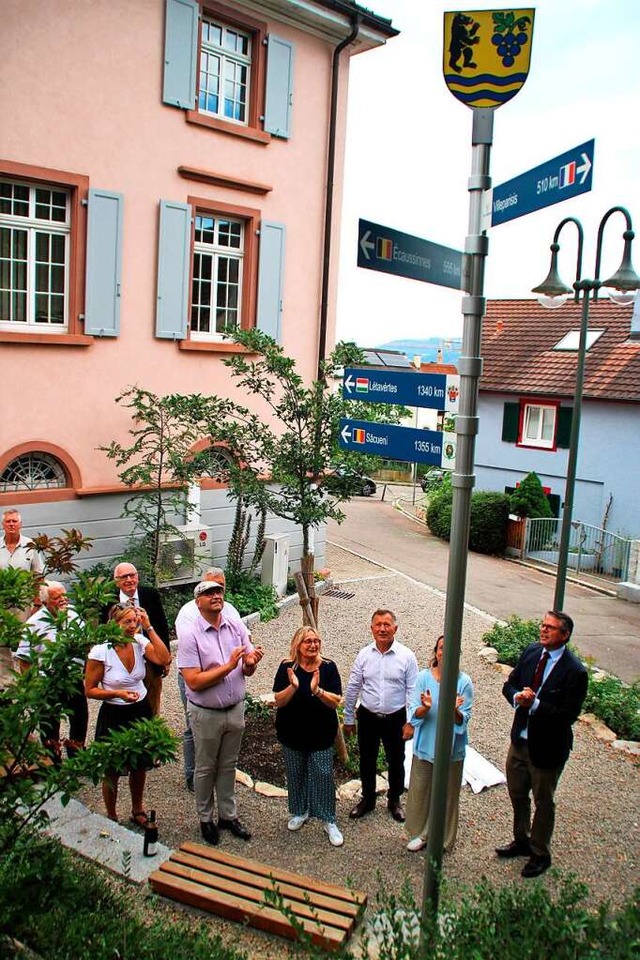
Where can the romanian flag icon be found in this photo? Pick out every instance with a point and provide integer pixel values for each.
(358, 436)
(362, 385)
(385, 249)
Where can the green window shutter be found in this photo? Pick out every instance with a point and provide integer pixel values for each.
(563, 428)
(510, 422)
(180, 53)
(174, 263)
(104, 263)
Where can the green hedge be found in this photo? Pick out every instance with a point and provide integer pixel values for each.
(488, 520)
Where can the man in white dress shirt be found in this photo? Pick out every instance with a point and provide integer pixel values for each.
(383, 677)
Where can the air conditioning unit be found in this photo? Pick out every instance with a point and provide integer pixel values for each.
(184, 556)
(275, 562)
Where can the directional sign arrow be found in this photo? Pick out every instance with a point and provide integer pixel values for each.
(348, 384)
(345, 433)
(366, 245)
(559, 179)
(584, 168)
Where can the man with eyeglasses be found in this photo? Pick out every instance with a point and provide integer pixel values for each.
(135, 594)
(546, 688)
(215, 656)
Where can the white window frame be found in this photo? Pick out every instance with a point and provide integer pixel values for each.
(216, 251)
(32, 225)
(535, 438)
(230, 62)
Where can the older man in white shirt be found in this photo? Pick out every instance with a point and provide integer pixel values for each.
(383, 677)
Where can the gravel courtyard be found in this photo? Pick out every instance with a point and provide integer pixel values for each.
(597, 830)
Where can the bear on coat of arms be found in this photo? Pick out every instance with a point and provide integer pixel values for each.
(463, 37)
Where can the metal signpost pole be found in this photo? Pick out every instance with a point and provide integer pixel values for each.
(470, 368)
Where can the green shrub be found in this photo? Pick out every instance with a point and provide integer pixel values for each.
(529, 499)
(517, 922)
(512, 638)
(615, 704)
(248, 595)
(488, 522)
(439, 510)
(63, 907)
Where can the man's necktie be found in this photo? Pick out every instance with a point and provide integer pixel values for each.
(539, 673)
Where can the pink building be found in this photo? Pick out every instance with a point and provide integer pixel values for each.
(166, 173)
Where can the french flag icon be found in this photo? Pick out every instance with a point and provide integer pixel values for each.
(567, 174)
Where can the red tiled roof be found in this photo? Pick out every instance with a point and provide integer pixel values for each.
(518, 337)
(433, 367)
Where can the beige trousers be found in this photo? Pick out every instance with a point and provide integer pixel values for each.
(419, 800)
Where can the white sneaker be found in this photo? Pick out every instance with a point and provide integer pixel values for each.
(296, 822)
(335, 837)
(416, 844)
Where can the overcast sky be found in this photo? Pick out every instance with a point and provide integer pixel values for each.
(409, 156)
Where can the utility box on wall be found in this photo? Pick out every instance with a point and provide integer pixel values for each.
(275, 562)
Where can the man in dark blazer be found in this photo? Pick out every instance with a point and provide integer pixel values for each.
(546, 688)
(131, 591)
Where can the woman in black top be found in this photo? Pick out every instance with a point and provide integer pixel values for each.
(308, 690)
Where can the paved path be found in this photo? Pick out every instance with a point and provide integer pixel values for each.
(607, 629)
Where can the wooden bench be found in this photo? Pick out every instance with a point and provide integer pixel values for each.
(235, 887)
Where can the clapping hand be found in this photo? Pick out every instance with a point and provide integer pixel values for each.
(315, 681)
(293, 680)
(426, 699)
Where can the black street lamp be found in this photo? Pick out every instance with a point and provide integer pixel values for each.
(552, 292)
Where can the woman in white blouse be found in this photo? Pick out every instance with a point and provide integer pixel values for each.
(115, 674)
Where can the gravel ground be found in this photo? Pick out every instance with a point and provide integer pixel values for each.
(597, 829)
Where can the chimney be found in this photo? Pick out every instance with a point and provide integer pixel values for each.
(634, 333)
(440, 356)
(417, 361)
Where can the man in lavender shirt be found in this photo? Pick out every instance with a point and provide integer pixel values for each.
(214, 656)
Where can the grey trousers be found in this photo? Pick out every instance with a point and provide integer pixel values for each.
(524, 780)
(217, 735)
(419, 800)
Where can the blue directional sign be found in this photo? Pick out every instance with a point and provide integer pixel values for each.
(399, 443)
(389, 251)
(559, 179)
(437, 391)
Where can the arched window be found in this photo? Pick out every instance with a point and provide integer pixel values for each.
(33, 471)
(214, 462)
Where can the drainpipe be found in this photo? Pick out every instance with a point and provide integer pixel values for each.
(328, 213)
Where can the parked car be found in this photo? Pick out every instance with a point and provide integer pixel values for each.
(363, 485)
(432, 479)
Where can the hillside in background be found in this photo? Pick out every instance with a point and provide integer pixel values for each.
(426, 349)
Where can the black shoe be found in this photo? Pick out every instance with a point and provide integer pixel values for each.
(209, 832)
(361, 809)
(517, 848)
(535, 866)
(396, 811)
(237, 829)
(189, 784)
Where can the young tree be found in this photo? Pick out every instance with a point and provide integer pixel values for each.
(158, 465)
(283, 460)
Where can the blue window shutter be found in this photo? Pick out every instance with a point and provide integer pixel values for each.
(104, 263)
(180, 53)
(279, 91)
(270, 275)
(173, 270)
